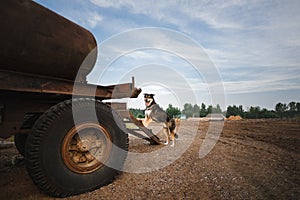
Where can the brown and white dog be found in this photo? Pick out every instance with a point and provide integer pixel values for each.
(155, 113)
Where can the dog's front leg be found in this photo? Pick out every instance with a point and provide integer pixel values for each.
(173, 139)
(147, 121)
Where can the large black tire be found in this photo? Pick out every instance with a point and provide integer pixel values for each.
(62, 162)
(21, 138)
(20, 142)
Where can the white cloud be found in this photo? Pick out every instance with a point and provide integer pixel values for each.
(93, 19)
(226, 14)
(245, 33)
(246, 87)
(255, 44)
(262, 83)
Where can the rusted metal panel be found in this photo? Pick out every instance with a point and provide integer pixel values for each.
(40, 55)
(16, 104)
(19, 82)
(38, 41)
(1, 113)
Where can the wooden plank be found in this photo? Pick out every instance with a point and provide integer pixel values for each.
(134, 133)
(153, 138)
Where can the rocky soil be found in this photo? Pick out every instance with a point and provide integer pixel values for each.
(252, 159)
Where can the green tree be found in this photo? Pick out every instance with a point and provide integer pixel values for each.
(298, 106)
(281, 109)
(196, 111)
(264, 113)
(234, 110)
(212, 109)
(285, 107)
(241, 111)
(218, 109)
(253, 113)
(203, 111)
(173, 111)
(231, 111)
(257, 113)
(187, 110)
(292, 109)
(138, 113)
(292, 106)
(209, 109)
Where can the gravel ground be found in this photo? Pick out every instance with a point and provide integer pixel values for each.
(253, 159)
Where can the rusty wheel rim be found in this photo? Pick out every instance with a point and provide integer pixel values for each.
(86, 147)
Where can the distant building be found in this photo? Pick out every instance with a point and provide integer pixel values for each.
(182, 116)
(214, 117)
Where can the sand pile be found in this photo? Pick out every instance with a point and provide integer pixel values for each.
(234, 118)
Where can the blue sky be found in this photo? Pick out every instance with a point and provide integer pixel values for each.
(254, 46)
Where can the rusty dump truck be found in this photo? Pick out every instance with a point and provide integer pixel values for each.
(72, 142)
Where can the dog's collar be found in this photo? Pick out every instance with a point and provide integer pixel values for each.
(149, 107)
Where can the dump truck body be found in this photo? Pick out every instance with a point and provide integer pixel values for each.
(43, 71)
(35, 40)
(44, 53)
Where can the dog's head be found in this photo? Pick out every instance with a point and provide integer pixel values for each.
(149, 99)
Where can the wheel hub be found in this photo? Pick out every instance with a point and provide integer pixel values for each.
(86, 147)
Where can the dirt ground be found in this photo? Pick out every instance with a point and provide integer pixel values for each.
(253, 159)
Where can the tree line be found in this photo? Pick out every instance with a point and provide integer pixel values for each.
(281, 110)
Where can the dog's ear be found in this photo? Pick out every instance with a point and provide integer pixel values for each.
(148, 95)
